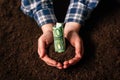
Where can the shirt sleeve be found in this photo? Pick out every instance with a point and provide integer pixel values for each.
(41, 10)
(79, 10)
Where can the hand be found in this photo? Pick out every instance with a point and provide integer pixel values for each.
(71, 33)
(43, 42)
(47, 38)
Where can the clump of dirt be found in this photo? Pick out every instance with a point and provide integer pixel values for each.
(61, 57)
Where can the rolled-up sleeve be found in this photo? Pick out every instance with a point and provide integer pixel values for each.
(79, 10)
(41, 10)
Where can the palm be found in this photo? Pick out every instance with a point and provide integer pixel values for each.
(43, 42)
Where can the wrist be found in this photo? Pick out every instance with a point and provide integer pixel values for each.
(47, 27)
(71, 27)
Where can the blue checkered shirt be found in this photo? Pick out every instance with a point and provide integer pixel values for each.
(43, 12)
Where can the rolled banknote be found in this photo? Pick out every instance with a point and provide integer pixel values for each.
(59, 41)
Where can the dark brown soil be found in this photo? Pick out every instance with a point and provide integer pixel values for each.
(18, 45)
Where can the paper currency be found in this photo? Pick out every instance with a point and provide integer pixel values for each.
(59, 41)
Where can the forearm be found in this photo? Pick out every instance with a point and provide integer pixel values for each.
(79, 10)
(41, 10)
(47, 28)
(71, 27)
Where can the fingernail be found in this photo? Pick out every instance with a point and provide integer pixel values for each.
(64, 67)
(59, 67)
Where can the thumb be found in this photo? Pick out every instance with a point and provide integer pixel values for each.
(79, 48)
(41, 48)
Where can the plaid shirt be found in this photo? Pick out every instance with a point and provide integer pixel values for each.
(43, 13)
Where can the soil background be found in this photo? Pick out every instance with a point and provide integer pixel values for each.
(19, 34)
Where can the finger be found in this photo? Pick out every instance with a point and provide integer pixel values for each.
(59, 66)
(78, 52)
(44, 57)
(49, 61)
(79, 48)
(73, 61)
(70, 62)
(65, 64)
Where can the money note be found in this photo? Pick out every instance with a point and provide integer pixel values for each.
(59, 41)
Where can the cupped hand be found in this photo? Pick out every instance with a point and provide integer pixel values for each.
(43, 42)
(71, 34)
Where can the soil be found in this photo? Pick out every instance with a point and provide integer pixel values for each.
(19, 34)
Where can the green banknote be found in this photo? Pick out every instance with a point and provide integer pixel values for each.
(59, 41)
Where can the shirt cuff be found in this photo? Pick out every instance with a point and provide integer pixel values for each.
(44, 16)
(77, 12)
(27, 10)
